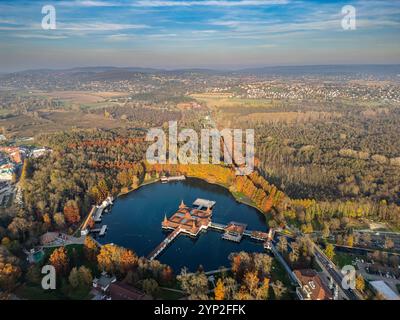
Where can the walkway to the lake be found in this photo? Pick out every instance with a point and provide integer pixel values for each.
(164, 243)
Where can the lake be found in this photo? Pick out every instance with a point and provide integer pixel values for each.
(135, 222)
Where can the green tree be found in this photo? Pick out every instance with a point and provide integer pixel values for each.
(150, 287)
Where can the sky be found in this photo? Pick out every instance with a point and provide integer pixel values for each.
(219, 34)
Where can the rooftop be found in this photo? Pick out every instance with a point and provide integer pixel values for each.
(385, 290)
(204, 203)
(312, 287)
(122, 291)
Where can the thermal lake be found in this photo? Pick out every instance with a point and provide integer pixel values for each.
(135, 222)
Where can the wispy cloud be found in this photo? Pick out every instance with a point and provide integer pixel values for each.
(89, 3)
(210, 3)
(99, 26)
(40, 36)
(172, 3)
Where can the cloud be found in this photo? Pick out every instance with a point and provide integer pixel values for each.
(120, 37)
(88, 3)
(204, 31)
(99, 26)
(172, 3)
(210, 3)
(40, 36)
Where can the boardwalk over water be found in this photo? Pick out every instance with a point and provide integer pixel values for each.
(216, 226)
(164, 244)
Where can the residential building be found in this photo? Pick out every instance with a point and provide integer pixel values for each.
(6, 171)
(103, 283)
(122, 291)
(311, 286)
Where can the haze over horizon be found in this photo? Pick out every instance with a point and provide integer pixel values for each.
(304, 68)
(222, 35)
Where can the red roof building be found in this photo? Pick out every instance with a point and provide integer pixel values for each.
(122, 291)
(311, 286)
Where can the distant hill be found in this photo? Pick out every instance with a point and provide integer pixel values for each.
(101, 73)
(332, 70)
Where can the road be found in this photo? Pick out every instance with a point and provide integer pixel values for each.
(336, 275)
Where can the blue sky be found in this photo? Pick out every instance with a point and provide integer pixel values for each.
(197, 33)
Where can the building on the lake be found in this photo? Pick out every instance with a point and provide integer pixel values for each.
(189, 220)
(234, 231)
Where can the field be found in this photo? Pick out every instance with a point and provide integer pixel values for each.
(216, 101)
(242, 110)
(54, 121)
(287, 117)
(82, 97)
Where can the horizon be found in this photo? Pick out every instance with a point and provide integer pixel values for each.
(220, 34)
(227, 70)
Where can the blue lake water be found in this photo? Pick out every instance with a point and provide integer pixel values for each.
(135, 222)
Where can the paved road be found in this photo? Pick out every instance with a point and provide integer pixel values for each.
(336, 275)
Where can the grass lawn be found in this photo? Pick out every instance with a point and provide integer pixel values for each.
(169, 295)
(279, 273)
(342, 259)
(242, 198)
(37, 293)
(70, 248)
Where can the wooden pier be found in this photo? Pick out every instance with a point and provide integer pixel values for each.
(101, 231)
(164, 244)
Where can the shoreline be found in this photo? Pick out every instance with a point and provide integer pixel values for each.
(237, 199)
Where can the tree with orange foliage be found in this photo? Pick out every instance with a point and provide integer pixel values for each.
(127, 261)
(116, 259)
(90, 249)
(9, 275)
(263, 291)
(71, 212)
(59, 260)
(236, 263)
(47, 220)
(167, 274)
(251, 282)
(219, 290)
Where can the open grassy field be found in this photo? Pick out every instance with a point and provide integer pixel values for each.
(82, 97)
(220, 100)
(231, 110)
(288, 117)
(54, 121)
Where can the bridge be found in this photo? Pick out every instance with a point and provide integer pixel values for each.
(164, 244)
(217, 226)
(256, 235)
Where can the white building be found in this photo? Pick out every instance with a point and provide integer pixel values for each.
(6, 171)
(38, 152)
